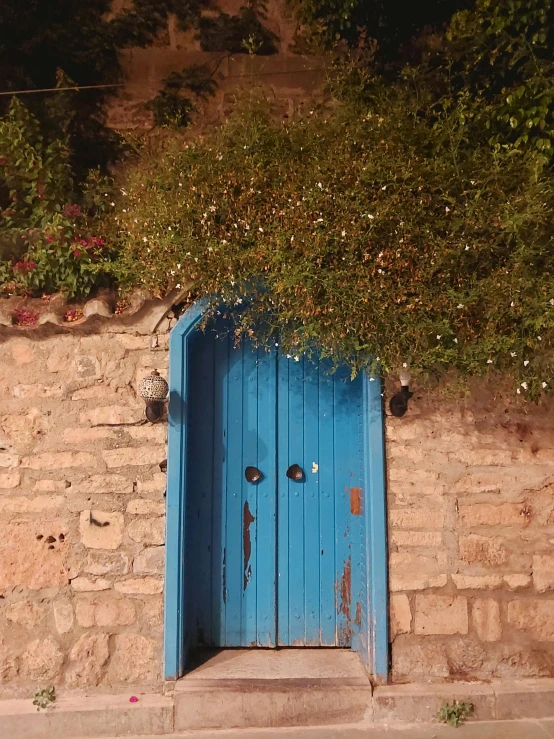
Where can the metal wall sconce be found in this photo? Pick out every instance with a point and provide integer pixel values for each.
(153, 389)
(399, 403)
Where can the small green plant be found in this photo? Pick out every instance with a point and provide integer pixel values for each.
(455, 713)
(43, 698)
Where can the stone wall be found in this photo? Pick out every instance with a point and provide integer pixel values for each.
(81, 512)
(471, 521)
(288, 79)
(471, 535)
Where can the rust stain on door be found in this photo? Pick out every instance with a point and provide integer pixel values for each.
(247, 519)
(355, 501)
(344, 591)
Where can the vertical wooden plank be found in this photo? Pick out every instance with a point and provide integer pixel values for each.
(234, 514)
(283, 507)
(294, 454)
(266, 564)
(327, 505)
(311, 558)
(218, 582)
(343, 552)
(250, 442)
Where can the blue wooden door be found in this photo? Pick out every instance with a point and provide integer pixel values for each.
(277, 562)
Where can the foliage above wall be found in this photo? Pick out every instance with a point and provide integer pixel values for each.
(381, 230)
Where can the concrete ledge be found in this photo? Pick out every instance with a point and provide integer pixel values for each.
(506, 699)
(290, 703)
(73, 717)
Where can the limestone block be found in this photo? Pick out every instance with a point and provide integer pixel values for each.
(51, 486)
(79, 436)
(410, 571)
(154, 433)
(481, 550)
(477, 582)
(25, 613)
(481, 457)
(543, 572)
(416, 538)
(431, 516)
(59, 460)
(99, 391)
(63, 616)
(400, 615)
(37, 391)
(87, 661)
(133, 456)
(24, 429)
(60, 357)
(39, 504)
(418, 660)
(105, 610)
(9, 460)
(26, 559)
(488, 514)
(101, 529)
(9, 480)
(398, 474)
(106, 563)
(99, 484)
(134, 342)
(157, 484)
(440, 614)
(153, 613)
(486, 619)
(86, 584)
(147, 531)
(22, 352)
(112, 414)
(534, 615)
(87, 368)
(143, 507)
(135, 660)
(517, 581)
(42, 660)
(150, 561)
(9, 663)
(140, 586)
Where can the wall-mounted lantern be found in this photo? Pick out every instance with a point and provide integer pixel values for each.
(399, 403)
(153, 389)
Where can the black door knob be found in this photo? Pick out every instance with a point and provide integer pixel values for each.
(295, 473)
(253, 474)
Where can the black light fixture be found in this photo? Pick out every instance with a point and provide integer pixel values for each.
(153, 390)
(399, 403)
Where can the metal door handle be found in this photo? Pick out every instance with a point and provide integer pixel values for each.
(253, 474)
(295, 473)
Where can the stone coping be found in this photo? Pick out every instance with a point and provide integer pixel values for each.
(141, 314)
(76, 715)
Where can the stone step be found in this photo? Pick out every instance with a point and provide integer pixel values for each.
(87, 717)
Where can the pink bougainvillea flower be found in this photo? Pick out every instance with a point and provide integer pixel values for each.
(77, 252)
(49, 239)
(72, 210)
(133, 699)
(24, 266)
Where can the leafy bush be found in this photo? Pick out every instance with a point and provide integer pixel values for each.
(379, 232)
(48, 242)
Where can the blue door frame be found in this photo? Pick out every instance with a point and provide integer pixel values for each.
(373, 641)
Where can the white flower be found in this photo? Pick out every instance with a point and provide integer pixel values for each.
(512, 304)
(472, 182)
(551, 301)
(343, 233)
(172, 272)
(518, 391)
(513, 354)
(112, 203)
(524, 385)
(404, 364)
(544, 384)
(169, 228)
(180, 184)
(371, 218)
(447, 209)
(178, 285)
(455, 341)
(467, 248)
(320, 185)
(460, 305)
(525, 363)
(261, 230)
(439, 337)
(178, 266)
(239, 301)
(539, 338)
(297, 359)
(372, 379)
(144, 239)
(291, 239)
(380, 254)
(489, 361)
(289, 356)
